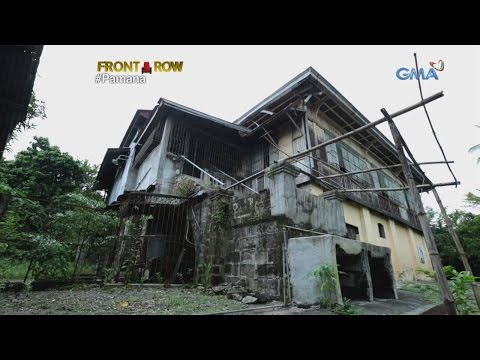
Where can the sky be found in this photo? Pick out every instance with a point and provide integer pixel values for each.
(85, 118)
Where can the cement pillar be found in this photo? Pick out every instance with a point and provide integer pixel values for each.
(283, 191)
(367, 232)
(392, 235)
(334, 215)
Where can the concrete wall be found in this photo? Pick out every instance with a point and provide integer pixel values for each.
(406, 244)
(120, 181)
(247, 246)
(305, 254)
(302, 208)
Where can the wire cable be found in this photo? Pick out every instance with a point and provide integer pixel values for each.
(430, 121)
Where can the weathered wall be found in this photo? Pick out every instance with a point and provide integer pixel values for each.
(402, 240)
(120, 181)
(242, 241)
(147, 171)
(305, 254)
(302, 208)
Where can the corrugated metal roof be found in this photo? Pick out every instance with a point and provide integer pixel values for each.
(18, 68)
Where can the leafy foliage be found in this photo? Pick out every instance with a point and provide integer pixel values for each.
(54, 213)
(49, 258)
(326, 274)
(467, 226)
(346, 308)
(207, 275)
(184, 186)
(36, 110)
(460, 283)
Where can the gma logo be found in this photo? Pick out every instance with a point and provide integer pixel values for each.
(409, 74)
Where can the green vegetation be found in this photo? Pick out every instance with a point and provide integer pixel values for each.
(91, 300)
(219, 217)
(327, 275)
(460, 282)
(184, 186)
(207, 275)
(55, 221)
(467, 226)
(13, 269)
(346, 308)
(461, 285)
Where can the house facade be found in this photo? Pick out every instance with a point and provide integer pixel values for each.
(228, 200)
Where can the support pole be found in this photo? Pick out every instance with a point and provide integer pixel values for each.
(365, 127)
(378, 168)
(458, 244)
(422, 218)
(424, 186)
(448, 222)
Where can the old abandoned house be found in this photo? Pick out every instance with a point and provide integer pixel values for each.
(200, 194)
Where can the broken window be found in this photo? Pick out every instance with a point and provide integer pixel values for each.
(351, 161)
(299, 143)
(381, 230)
(263, 155)
(388, 182)
(316, 136)
(352, 232)
(332, 153)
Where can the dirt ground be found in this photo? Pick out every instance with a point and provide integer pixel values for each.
(115, 301)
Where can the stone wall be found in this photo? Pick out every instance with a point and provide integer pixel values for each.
(241, 239)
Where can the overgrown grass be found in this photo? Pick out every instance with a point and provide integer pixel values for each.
(16, 269)
(13, 270)
(90, 300)
(431, 293)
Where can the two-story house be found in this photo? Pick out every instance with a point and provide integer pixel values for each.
(218, 193)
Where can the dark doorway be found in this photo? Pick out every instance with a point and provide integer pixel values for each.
(381, 277)
(353, 279)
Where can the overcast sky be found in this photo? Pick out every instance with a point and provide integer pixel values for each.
(85, 118)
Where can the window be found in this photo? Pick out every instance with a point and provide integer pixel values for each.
(387, 182)
(421, 254)
(351, 161)
(316, 135)
(263, 156)
(381, 231)
(352, 232)
(332, 153)
(298, 140)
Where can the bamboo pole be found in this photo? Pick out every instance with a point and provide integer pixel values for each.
(378, 168)
(424, 186)
(365, 127)
(450, 228)
(421, 215)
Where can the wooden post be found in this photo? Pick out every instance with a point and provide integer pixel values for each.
(422, 218)
(458, 244)
(448, 222)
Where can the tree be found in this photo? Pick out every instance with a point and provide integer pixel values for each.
(467, 226)
(55, 219)
(42, 172)
(36, 110)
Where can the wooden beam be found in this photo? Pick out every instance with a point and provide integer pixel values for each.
(448, 299)
(378, 168)
(403, 188)
(365, 127)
